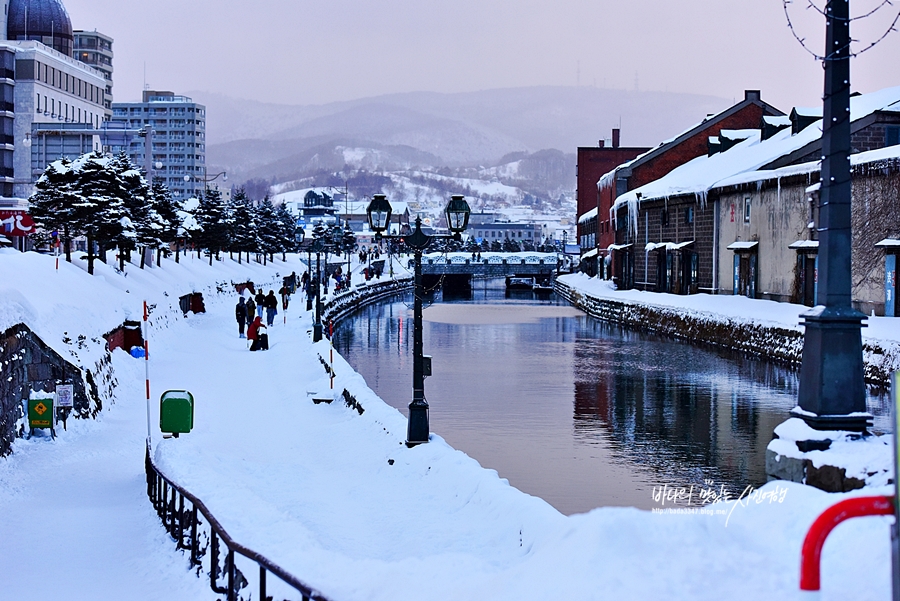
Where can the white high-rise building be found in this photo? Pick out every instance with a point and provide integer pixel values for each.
(51, 105)
(178, 130)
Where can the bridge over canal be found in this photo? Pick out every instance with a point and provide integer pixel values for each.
(456, 270)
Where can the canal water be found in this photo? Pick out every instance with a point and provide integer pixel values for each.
(577, 411)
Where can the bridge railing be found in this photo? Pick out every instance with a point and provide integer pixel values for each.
(182, 515)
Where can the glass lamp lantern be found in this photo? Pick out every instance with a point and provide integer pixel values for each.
(379, 213)
(458, 212)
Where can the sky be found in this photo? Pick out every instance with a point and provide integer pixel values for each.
(320, 51)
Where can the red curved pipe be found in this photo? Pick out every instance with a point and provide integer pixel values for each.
(811, 553)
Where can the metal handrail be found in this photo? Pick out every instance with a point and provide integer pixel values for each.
(176, 520)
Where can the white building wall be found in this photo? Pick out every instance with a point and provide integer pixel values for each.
(52, 100)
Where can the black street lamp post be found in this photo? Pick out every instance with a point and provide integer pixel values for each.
(379, 214)
(832, 387)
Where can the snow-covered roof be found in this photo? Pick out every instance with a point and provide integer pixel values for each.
(738, 134)
(889, 153)
(588, 216)
(782, 120)
(804, 244)
(619, 246)
(610, 176)
(888, 243)
(651, 246)
(743, 245)
(590, 254)
(706, 172)
(812, 112)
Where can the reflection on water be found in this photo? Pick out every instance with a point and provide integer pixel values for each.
(577, 411)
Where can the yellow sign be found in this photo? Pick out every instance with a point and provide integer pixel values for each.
(40, 408)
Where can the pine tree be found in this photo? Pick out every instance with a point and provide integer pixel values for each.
(287, 228)
(168, 209)
(52, 205)
(101, 211)
(212, 217)
(190, 225)
(269, 234)
(244, 236)
(140, 205)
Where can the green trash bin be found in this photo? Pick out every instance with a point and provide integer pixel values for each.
(176, 412)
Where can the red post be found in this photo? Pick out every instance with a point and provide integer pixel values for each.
(331, 349)
(811, 553)
(147, 368)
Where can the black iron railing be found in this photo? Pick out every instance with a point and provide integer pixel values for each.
(182, 515)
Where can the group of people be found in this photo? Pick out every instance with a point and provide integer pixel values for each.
(249, 313)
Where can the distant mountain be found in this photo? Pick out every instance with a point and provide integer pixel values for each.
(430, 130)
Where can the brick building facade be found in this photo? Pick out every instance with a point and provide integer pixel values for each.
(653, 165)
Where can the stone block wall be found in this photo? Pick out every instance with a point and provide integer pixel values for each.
(29, 364)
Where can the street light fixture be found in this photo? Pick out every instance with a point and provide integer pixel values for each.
(223, 175)
(379, 214)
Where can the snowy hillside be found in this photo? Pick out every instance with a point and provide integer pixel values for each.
(257, 140)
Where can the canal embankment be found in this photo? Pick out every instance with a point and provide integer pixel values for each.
(761, 328)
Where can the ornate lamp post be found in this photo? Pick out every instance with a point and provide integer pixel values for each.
(379, 214)
(832, 392)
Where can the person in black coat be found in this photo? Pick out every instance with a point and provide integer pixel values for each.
(251, 310)
(260, 303)
(271, 304)
(240, 314)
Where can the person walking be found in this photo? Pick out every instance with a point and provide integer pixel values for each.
(251, 310)
(285, 293)
(240, 314)
(260, 303)
(271, 305)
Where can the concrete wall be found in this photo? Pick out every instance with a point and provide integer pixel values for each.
(778, 218)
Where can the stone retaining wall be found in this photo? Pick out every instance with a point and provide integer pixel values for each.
(773, 343)
(29, 364)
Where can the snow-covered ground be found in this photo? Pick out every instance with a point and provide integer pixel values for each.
(333, 496)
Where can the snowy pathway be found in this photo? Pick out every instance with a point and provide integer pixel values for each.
(76, 523)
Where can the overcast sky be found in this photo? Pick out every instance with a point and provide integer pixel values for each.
(318, 51)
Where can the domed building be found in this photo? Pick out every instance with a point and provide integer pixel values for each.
(55, 92)
(45, 21)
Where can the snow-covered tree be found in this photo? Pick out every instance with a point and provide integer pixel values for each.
(52, 205)
(190, 227)
(138, 198)
(287, 230)
(101, 212)
(212, 217)
(269, 233)
(244, 229)
(168, 209)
